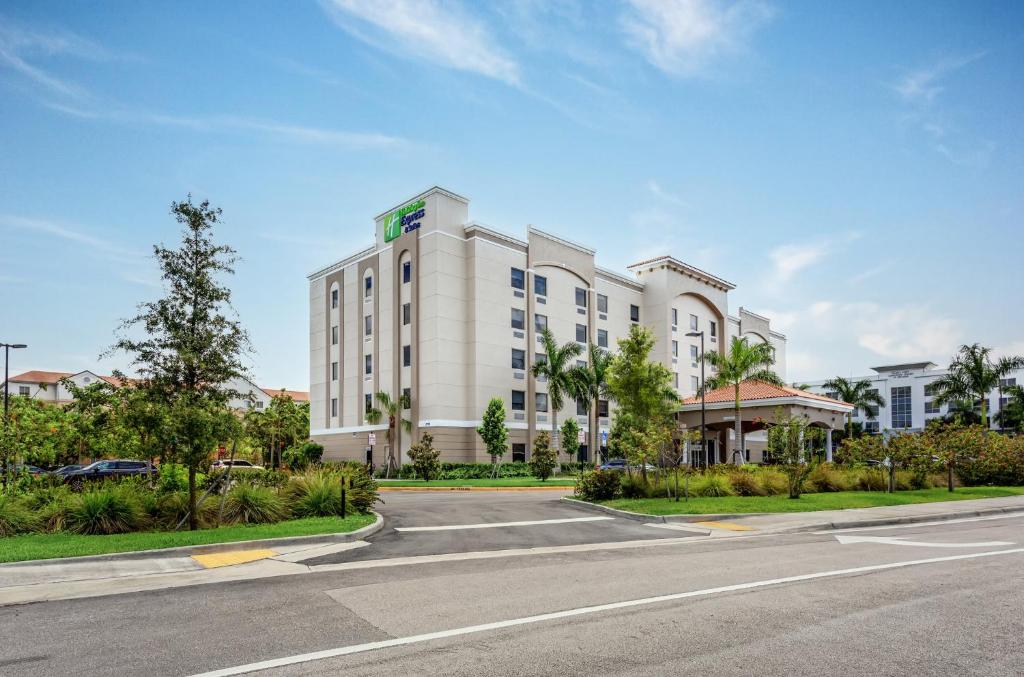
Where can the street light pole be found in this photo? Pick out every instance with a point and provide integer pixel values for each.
(7, 394)
(703, 442)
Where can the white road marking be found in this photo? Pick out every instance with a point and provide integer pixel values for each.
(678, 527)
(493, 525)
(889, 540)
(582, 611)
(915, 525)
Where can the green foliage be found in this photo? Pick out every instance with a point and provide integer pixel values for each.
(599, 485)
(246, 504)
(314, 495)
(425, 457)
(15, 516)
(108, 509)
(284, 424)
(635, 486)
(712, 484)
(788, 441)
(468, 471)
(556, 368)
(167, 509)
(390, 408)
(542, 460)
(972, 375)
(869, 479)
(641, 387)
(773, 482)
(1011, 415)
(303, 455)
(860, 394)
(825, 477)
(492, 429)
(745, 483)
(570, 438)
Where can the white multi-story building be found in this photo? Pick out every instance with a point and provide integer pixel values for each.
(908, 393)
(448, 312)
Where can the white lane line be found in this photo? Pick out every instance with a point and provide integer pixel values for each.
(678, 527)
(582, 611)
(915, 525)
(493, 525)
(890, 540)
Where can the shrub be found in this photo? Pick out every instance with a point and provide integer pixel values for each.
(362, 490)
(425, 457)
(106, 510)
(599, 485)
(315, 495)
(169, 509)
(542, 461)
(274, 479)
(711, 485)
(825, 477)
(173, 477)
(870, 479)
(633, 486)
(466, 471)
(15, 517)
(247, 504)
(303, 455)
(744, 483)
(575, 468)
(772, 482)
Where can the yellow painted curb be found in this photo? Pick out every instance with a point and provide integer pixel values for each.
(226, 559)
(564, 487)
(729, 526)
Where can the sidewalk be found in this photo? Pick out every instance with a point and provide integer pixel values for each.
(796, 522)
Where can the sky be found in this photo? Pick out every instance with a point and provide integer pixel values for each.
(855, 169)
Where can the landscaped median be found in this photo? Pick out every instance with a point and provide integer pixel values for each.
(499, 483)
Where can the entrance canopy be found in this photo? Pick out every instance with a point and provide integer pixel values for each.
(760, 404)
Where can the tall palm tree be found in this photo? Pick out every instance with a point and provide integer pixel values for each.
(556, 367)
(858, 393)
(972, 375)
(393, 408)
(744, 361)
(591, 383)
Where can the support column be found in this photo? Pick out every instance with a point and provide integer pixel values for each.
(828, 445)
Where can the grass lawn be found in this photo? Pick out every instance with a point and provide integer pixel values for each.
(806, 503)
(50, 546)
(500, 482)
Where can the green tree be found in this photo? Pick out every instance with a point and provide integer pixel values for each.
(425, 458)
(37, 433)
(556, 368)
(191, 345)
(591, 384)
(571, 438)
(542, 460)
(145, 415)
(493, 432)
(972, 375)
(392, 408)
(1011, 414)
(284, 423)
(789, 441)
(301, 456)
(92, 416)
(744, 361)
(858, 393)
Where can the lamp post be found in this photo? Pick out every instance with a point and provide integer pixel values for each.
(703, 442)
(7, 393)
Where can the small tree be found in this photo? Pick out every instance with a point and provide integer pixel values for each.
(570, 438)
(392, 408)
(425, 457)
(494, 433)
(542, 460)
(301, 456)
(788, 441)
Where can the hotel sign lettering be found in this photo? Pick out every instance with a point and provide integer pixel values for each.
(403, 220)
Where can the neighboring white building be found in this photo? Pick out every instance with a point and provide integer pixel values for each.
(449, 312)
(907, 389)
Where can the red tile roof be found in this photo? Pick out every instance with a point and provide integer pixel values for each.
(296, 395)
(40, 376)
(757, 390)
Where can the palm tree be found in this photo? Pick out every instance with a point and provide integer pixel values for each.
(393, 408)
(590, 383)
(556, 367)
(972, 375)
(744, 361)
(858, 393)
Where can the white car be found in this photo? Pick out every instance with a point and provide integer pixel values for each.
(235, 465)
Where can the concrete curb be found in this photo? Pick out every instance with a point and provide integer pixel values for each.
(188, 550)
(564, 487)
(817, 526)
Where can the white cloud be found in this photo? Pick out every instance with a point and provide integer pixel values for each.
(922, 86)
(681, 37)
(69, 233)
(663, 194)
(790, 259)
(439, 33)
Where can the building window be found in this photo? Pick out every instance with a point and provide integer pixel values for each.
(334, 371)
(540, 322)
(694, 352)
(24, 390)
(602, 303)
(931, 408)
(581, 407)
(406, 313)
(518, 400)
(871, 410)
(406, 398)
(675, 349)
(540, 285)
(694, 383)
(518, 318)
(518, 358)
(334, 406)
(581, 297)
(602, 408)
(518, 452)
(259, 405)
(406, 272)
(582, 364)
(518, 279)
(540, 358)
(334, 298)
(602, 338)
(714, 328)
(634, 313)
(406, 356)
(541, 400)
(693, 323)
(871, 427)
(929, 389)
(367, 402)
(368, 287)
(334, 335)
(368, 325)
(833, 395)
(581, 333)
(368, 364)
(1007, 382)
(900, 402)
(675, 380)
(675, 318)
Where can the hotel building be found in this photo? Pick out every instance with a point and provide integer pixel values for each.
(448, 312)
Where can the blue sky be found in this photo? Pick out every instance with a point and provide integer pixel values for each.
(854, 168)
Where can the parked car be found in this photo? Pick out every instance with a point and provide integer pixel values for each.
(64, 470)
(235, 465)
(620, 464)
(106, 470)
(19, 468)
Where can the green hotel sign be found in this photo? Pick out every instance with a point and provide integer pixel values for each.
(403, 220)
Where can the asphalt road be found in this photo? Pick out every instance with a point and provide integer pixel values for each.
(905, 607)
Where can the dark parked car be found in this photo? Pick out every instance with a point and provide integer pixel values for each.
(106, 470)
(64, 470)
(620, 464)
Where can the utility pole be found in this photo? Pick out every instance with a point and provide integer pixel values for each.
(7, 399)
